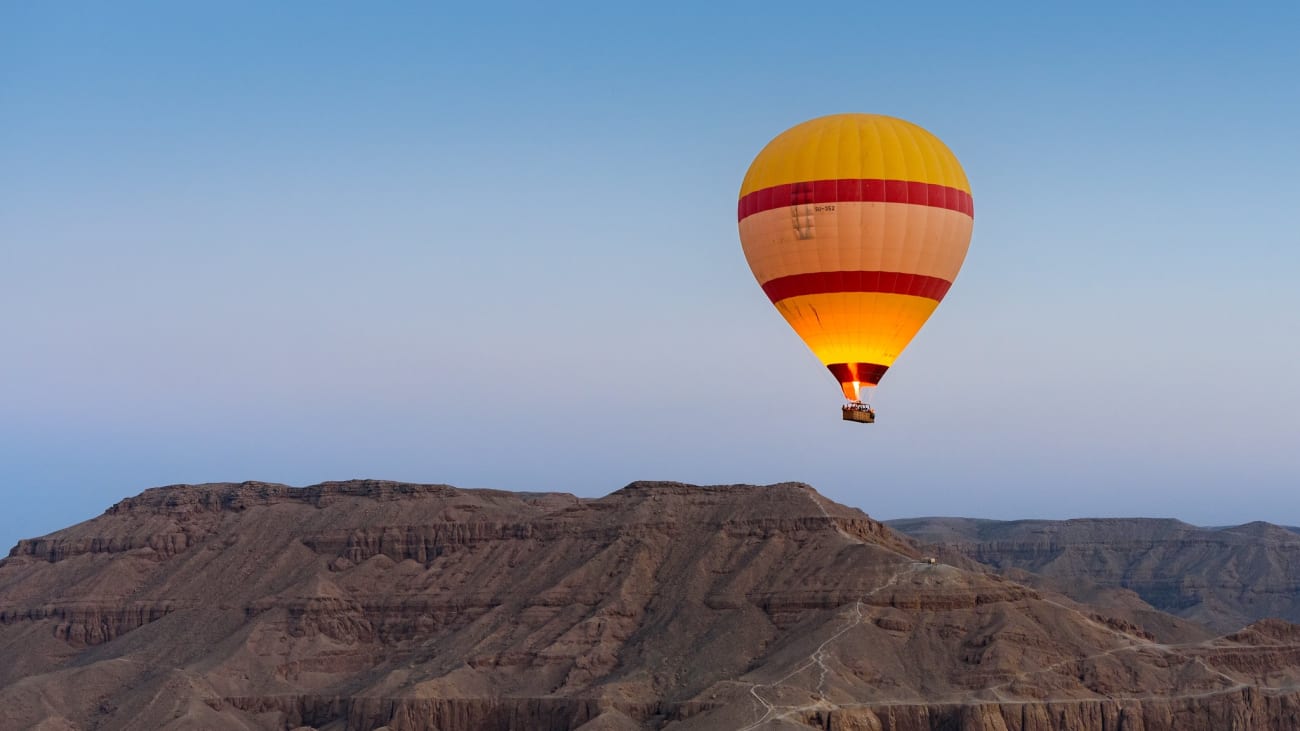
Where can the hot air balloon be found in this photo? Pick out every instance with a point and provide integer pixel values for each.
(855, 226)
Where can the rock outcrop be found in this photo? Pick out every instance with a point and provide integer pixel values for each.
(381, 605)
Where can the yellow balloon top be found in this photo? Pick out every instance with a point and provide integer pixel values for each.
(854, 146)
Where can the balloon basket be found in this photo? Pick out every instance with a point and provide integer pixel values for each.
(859, 412)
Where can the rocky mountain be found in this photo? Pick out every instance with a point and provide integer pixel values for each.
(379, 605)
(1223, 578)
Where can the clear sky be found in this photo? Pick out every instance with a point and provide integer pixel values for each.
(495, 245)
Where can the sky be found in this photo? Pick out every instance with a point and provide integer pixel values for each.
(494, 245)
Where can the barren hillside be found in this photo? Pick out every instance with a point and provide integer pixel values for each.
(365, 605)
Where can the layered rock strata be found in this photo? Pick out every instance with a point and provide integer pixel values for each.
(368, 604)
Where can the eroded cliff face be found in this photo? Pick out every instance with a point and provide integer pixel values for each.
(368, 604)
(1223, 578)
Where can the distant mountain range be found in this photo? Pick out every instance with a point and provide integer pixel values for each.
(1223, 577)
(382, 605)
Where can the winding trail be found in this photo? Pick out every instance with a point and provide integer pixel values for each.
(818, 658)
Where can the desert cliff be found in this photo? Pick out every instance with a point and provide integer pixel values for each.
(1222, 578)
(368, 605)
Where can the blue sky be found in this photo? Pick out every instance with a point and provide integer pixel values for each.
(495, 246)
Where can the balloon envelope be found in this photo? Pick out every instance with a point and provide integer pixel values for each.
(855, 225)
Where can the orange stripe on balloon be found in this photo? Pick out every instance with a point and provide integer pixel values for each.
(870, 190)
(916, 285)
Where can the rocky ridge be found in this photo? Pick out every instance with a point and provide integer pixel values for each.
(370, 604)
(1222, 578)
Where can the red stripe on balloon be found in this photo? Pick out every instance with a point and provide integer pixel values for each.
(870, 373)
(916, 285)
(856, 190)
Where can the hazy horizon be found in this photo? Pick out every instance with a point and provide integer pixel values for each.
(496, 247)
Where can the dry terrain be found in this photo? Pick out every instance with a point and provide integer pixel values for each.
(1222, 578)
(368, 605)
